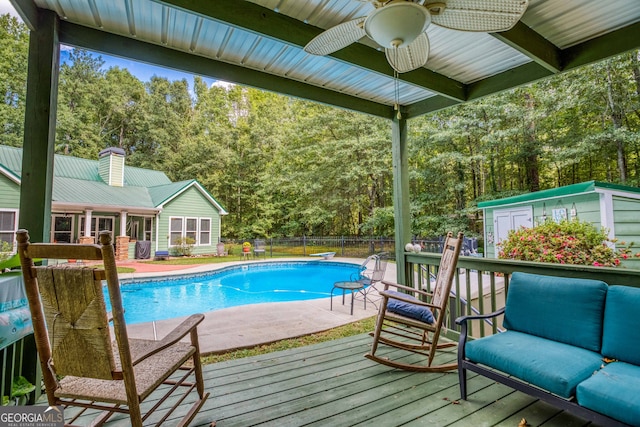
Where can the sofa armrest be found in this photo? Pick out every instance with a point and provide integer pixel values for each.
(464, 334)
(463, 319)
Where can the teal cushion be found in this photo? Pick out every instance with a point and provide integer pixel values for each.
(558, 308)
(613, 391)
(413, 311)
(553, 366)
(621, 339)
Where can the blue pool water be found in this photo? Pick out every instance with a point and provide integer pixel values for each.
(166, 298)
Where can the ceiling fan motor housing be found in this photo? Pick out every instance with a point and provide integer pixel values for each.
(397, 24)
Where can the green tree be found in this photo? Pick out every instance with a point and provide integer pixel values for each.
(14, 46)
(78, 124)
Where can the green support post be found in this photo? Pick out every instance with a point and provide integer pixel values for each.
(400, 193)
(38, 148)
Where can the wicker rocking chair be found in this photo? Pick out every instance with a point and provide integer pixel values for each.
(81, 365)
(411, 319)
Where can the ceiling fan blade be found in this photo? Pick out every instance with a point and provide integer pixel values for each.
(412, 56)
(480, 15)
(335, 38)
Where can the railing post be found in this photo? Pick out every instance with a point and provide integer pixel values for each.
(304, 245)
(341, 245)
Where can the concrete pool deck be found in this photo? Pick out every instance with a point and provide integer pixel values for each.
(251, 325)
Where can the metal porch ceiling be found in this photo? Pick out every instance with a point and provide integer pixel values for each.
(259, 43)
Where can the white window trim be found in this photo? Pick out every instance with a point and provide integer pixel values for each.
(183, 231)
(15, 225)
(200, 230)
(170, 231)
(53, 231)
(196, 231)
(97, 218)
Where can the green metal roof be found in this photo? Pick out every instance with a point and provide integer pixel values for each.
(583, 187)
(76, 181)
(92, 193)
(161, 193)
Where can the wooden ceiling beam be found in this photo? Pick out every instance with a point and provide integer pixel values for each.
(533, 45)
(259, 20)
(605, 46)
(112, 44)
(28, 11)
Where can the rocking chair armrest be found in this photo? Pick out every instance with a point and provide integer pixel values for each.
(463, 319)
(398, 286)
(172, 337)
(407, 300)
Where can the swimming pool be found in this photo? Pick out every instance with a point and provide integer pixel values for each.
(146, 300)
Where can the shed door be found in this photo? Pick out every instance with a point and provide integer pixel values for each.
(511, 219)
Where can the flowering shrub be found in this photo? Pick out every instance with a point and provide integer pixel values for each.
(567, 242)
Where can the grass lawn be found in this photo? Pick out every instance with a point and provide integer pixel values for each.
(355, 328)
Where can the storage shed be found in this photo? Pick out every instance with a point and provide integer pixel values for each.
(612, 206)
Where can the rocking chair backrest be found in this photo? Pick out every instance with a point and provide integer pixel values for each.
(67, 306)
(446, 270)
(75, 314)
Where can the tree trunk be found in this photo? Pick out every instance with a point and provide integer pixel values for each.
(617, 117)
(531, 165)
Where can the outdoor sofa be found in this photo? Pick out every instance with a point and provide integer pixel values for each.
(574, 343)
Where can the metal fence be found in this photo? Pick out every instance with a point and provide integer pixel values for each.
(343, 246)
(355, 247)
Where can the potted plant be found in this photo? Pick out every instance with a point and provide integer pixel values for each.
(246, 247)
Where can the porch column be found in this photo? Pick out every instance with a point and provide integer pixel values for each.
(401, 211)
(86, 238)
(123, 223)
(40, 127)
(122, 240)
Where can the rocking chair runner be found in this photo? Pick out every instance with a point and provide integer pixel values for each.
(73, 340)
(407, 318)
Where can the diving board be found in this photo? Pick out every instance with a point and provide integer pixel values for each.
(325, 255)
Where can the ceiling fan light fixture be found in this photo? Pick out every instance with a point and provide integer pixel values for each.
(397, 24)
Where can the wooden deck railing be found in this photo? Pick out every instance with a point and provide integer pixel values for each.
(492, 277)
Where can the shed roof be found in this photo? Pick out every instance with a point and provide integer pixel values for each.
(77, 182)
(553, 193)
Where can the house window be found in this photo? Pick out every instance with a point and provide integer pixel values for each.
(98, 224)
(175, 230)
(62, 229)
(148, 223)
(205, 231)
(134, 233)
(191, 231)
(198, 229)
(8, 226)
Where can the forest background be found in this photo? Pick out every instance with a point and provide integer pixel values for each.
(286, 167)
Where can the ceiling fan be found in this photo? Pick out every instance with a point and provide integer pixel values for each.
(399, 26)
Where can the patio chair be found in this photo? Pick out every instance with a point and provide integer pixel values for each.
(370, 277)
(259, 248)
(411, 319)
(81, 365)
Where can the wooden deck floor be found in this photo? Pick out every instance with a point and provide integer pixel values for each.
(332, 384)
